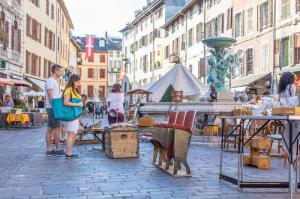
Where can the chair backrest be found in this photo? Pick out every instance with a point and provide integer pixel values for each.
(189, 119)
(180, 118)
(172, 118)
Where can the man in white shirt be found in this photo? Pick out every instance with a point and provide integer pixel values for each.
(52, 91)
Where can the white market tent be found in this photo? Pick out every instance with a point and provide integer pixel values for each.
(34, 94)
(182, 80)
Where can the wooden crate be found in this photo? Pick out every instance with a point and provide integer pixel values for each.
(260, 143)
(121, 142)
(247, 159)
(262, 161)
(286, 111)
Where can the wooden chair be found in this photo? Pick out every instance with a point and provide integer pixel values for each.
(211, 131)
(233, 139)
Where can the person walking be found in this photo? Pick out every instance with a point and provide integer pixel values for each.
(52, 91)
(114, 102)
(71, 92)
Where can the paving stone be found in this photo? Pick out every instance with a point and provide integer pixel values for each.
(27, 173)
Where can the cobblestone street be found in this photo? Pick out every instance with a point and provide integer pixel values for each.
(27, 173)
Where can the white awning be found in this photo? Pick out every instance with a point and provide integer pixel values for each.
(37, 82)
(247, 80)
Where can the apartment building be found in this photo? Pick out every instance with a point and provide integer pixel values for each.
(47, 39)
(143, 42)
(11, 39)
(93, 66)
(114, 50)
(184, 32)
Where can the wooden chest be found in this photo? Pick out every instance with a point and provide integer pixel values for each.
(260, 143)
(121, 142)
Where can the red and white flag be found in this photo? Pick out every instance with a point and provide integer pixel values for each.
(89, 47)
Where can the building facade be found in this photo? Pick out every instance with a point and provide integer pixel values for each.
(143, 42)
(93, 72)
(114, 50)
(47, 39)
(11, 39)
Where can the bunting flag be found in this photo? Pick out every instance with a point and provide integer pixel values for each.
(89, 47)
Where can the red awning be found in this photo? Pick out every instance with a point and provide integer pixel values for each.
(18, 82)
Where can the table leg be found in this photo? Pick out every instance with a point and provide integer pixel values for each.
(291, 184)
(222, 147)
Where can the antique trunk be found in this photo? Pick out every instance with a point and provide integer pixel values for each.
(121, 142)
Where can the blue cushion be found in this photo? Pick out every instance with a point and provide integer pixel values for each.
(276, 137)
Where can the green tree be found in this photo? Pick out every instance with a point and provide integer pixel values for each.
(167, 97)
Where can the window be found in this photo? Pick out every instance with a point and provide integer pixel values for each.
(183, 42)
(191, 37)
(33, 64)
(111, 53)
(35, 2)
(265, 57)
(102, 58)
(297, 48)
(249, 20)
(229, 18)
(47, 7)
(199, 32)
(191, 68)
(167, 52)
(220, 24)
(297, 6)
(284, 52)
(102, 73)
(90, 73)
(200, 7)
(102, 92)
(264, 15)
(249, 60)
(52, 11)
(90, 91)
(239, 24)
(285, 9)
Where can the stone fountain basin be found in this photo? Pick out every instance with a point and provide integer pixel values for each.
(219, 42)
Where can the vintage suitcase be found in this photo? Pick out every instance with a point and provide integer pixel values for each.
(121, 141)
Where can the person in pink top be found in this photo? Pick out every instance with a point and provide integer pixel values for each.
(114, 102)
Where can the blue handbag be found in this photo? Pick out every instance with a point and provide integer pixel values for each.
(66, 113)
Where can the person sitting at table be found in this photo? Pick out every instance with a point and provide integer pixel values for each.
(8, 101)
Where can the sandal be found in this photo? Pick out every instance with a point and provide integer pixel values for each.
(71, 156)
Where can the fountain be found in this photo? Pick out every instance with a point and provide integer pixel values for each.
(219, 63)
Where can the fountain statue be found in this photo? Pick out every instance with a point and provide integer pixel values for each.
(221, 60)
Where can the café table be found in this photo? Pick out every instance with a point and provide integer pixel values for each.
(288, 119)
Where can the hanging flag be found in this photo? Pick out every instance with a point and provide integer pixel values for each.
(89, 47)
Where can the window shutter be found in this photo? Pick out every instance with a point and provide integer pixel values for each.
(19, 41)
(45, 39)
(12, 37)
(297, 6)
(27, 62)
(40, 33)
(270, 14)
(45, 68)
(53, 42)
(297, 48)
(222, 26)
(40, 71)
(242, 23)
(27, 26)
(7, 34)
(102, 73)
(259, 18)
(90, 91)
(292, 46)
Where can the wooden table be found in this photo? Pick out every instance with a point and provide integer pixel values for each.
(95, 132)
(241, 142)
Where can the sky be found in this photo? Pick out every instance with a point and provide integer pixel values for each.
(97, 16)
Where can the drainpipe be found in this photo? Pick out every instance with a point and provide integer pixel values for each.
(273, 78)
(204, 46)
(153, 35)
(186, 34)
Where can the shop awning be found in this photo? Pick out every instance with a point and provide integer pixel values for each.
(37, 82)
(19, 82)
(247, 80)
(290, 69)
